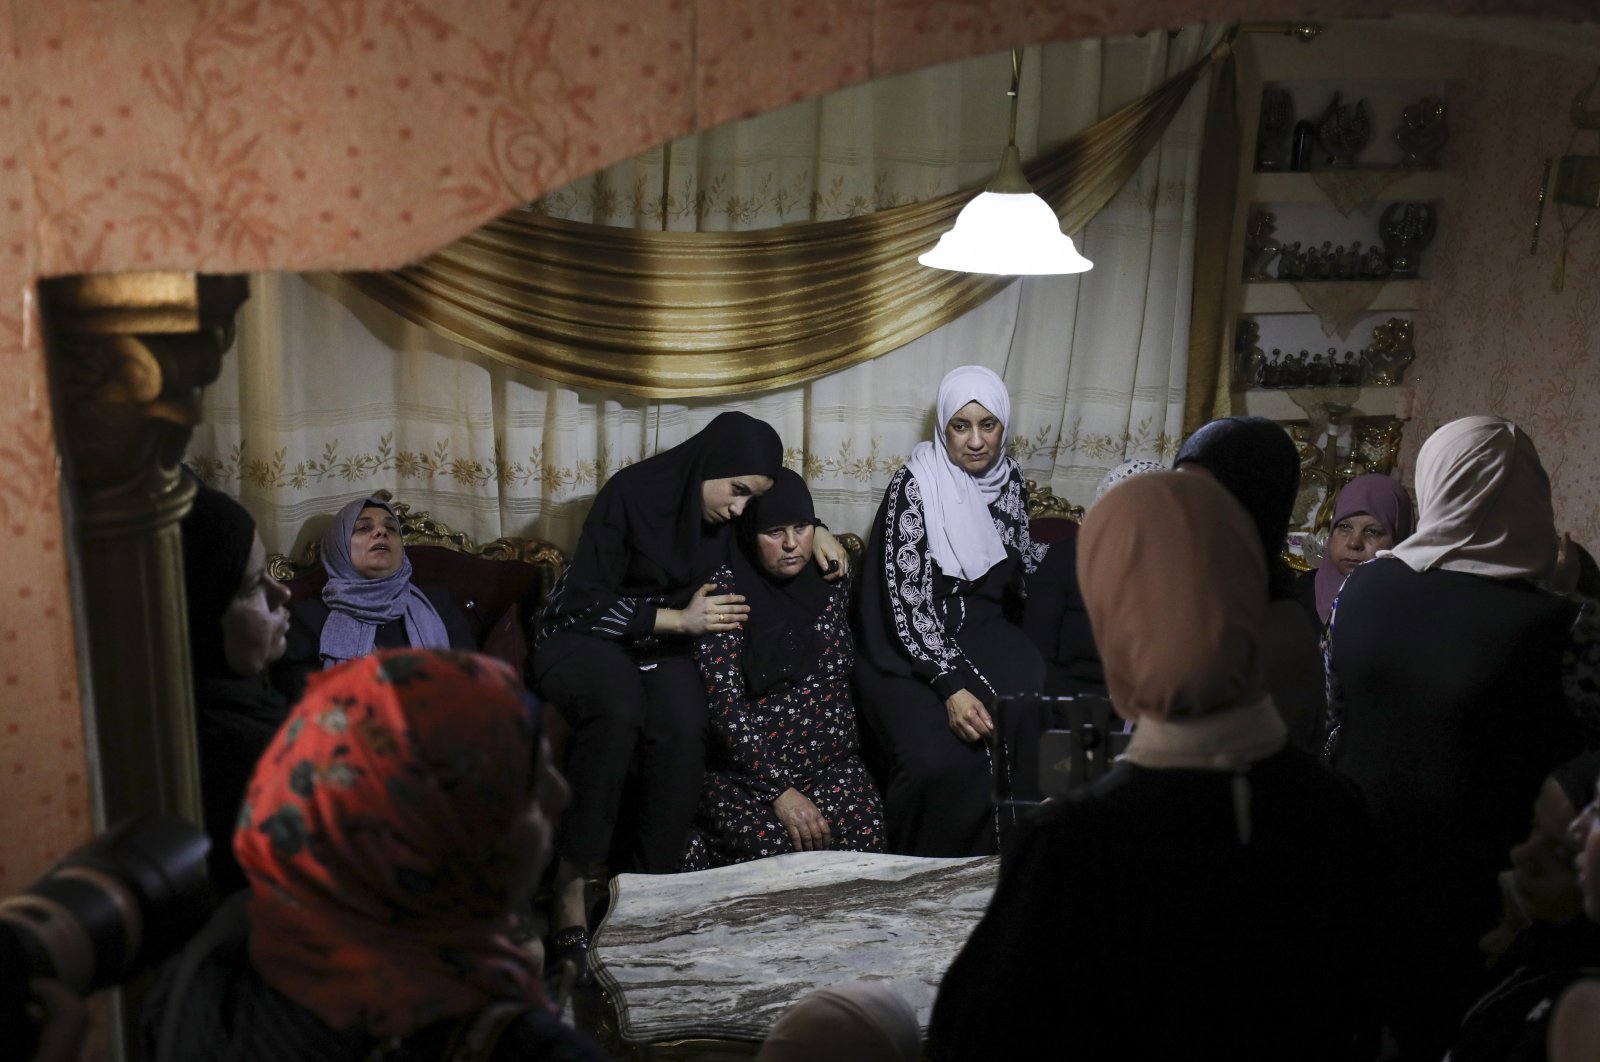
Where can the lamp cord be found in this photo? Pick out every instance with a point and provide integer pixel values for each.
(1016, 84)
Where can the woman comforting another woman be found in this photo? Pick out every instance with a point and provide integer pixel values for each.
(939, 640)
(613, 651)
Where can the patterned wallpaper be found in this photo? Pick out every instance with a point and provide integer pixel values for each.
(235, 135)
(1496, 337)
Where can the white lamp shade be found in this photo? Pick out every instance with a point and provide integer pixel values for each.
(1009, 234)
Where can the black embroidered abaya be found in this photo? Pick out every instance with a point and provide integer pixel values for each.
(923, 636)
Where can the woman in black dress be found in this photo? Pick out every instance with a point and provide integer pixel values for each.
(1446, 704)
(612, 651)
(237, 627)
(1256, 461)
(785, 767)
(937, 620)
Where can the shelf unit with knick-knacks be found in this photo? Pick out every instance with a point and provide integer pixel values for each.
(1341, 190)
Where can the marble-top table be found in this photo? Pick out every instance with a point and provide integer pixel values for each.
(719, 954)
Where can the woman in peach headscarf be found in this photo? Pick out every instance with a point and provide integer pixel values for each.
(1208, 897)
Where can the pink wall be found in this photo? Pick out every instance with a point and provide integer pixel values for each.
(236, 135)
(1496, 338)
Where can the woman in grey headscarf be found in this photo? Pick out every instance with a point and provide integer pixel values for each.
(369, 601)
(1446, 705)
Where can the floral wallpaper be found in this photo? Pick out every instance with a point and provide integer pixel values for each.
(235, 135)
(1499, 338)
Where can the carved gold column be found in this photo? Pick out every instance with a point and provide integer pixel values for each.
(129, 357)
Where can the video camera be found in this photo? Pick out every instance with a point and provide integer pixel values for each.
(116, 906)
(1046, 747)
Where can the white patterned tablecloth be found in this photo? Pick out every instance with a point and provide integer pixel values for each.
(721, 953)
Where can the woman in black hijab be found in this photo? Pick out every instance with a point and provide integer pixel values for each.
(612, 651)
(238, 620)
(786, 773)
(1256, 461)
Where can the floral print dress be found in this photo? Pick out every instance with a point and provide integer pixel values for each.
(802, 736)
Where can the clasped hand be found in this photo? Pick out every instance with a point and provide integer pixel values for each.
(807, 828)
(968, 717)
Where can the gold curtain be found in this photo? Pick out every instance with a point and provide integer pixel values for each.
(1211, 317)
(677, 315)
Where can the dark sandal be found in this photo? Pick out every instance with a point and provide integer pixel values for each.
(568, 948)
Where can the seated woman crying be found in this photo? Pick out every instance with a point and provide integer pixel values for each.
(785, 772)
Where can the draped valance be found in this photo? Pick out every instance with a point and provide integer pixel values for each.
(688, 314)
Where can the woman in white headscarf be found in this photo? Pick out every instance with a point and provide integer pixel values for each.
(1446, 705)
(939, 644)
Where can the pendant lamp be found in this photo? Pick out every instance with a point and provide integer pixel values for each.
(1006, 229)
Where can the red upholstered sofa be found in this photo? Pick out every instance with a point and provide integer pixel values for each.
(1051, 519)
(489, 581)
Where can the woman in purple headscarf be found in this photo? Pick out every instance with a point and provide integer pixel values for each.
(1372, 512)
(369, 601)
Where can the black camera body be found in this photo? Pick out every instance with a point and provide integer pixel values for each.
(1045, 747)
(116, 906)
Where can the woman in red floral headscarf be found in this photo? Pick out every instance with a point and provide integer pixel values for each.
(394, 824)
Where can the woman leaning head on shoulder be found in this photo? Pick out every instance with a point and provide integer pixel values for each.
(612, 650)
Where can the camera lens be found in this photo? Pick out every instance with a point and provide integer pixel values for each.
(123, 901)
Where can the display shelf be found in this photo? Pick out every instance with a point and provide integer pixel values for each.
(1280, 296)
(1280, 403)
(1387, 69)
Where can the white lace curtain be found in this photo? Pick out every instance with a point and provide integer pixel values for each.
(328, 396)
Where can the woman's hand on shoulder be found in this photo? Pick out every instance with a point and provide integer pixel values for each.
(706, 613)
(968, 717)
(807, 828)
(831, 557)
